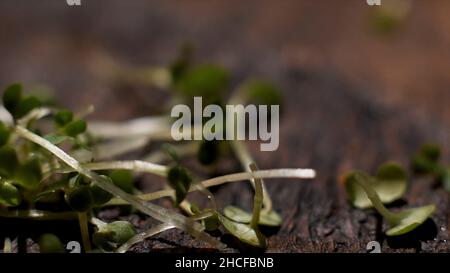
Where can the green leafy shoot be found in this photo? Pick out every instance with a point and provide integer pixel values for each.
(389, 183)
(400, 222)
(206, 81)
(427, 162)
(109, 237)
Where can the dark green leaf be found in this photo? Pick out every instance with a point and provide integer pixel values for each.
(63, 117)
(79, 198)
(8, 161)
(9, 194)
(123, 179)
(422, 165)
(180, 180)
(208, 152)
(99, 195)
(26, 105)
(4, 134)
(29, 174)
(211, 223)
(75, 128)
(12, 97)
(431, 151)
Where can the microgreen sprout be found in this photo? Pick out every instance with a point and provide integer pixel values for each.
(400, 222)
(109, 237)
(427, 162)
(389, 184)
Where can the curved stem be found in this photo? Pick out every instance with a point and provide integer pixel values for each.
(257, 200)
(392, 218)
(236, 177)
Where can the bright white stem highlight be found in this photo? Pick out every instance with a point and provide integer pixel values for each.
(132, 165)
(157, 212)
(146, 126)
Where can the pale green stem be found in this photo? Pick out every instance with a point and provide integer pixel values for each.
(257, 200)
(392, 218)
(83, 220)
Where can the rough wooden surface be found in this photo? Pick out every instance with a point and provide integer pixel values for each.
(352, 99)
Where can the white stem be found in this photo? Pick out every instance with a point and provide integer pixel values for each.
(146, 126)
(119, 147)
(274, 173)
(132, 165)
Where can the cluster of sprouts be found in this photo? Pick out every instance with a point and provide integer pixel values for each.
(54, 165)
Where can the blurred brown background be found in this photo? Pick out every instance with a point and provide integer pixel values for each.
(357, 92)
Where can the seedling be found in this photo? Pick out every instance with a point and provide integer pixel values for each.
(399, 222)
(389, 184)
(249, 233)
(427, 162)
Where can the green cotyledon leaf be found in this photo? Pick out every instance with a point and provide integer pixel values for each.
(409, 219)
(243, 232)
(400, 222)
(266, 218)
(389, 184)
